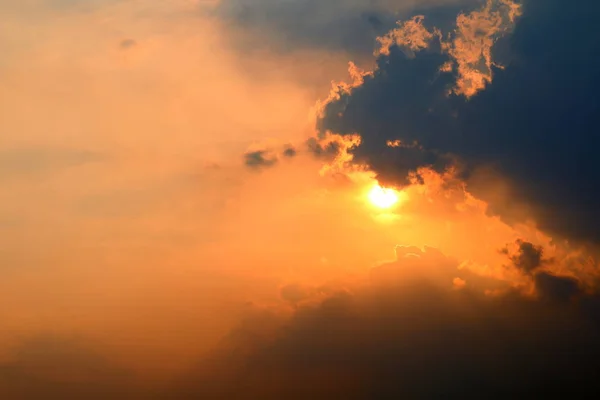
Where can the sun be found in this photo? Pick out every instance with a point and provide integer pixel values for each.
(383, 197)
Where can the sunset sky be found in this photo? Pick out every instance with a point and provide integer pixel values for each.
(303, 199)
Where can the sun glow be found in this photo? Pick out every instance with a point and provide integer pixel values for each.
(383, 197)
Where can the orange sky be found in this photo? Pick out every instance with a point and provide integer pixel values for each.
(127, 217)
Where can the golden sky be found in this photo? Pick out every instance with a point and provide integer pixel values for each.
(130, 225)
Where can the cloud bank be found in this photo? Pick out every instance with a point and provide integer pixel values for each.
(421, 327)
(410, 333)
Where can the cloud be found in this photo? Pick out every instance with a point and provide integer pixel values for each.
(326, 149)
(524, 109)
(556, 288)
(332, 149)
(268, 157)
(410, 35)
(259, 158)
(415, 337)
(422, 327)
(290, 152)
(475, 35)
(528, 258)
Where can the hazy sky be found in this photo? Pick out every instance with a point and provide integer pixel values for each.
(190, 203)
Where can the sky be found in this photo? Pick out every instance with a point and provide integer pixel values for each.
(266, 199)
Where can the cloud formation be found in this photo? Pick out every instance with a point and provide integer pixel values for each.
(418, 336)
(422, 327)
(525, 109)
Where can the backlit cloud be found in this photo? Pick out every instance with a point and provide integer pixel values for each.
(519, 127)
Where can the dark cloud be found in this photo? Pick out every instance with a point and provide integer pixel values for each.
(336, 25)
(414, 337)
(556, 288)
(259, 158)
(528, 257)
(290, 152)
(268, 157)
(534, 125)
(324, 149)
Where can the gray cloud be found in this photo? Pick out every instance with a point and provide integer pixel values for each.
(290, 152)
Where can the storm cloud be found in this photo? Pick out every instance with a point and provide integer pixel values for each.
(532, 120)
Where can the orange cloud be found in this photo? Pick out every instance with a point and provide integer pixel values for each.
(411, 35)
(471, 45)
